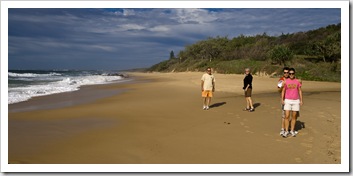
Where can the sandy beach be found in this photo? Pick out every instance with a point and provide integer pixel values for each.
(157, 118)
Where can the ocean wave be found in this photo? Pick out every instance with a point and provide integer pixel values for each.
(66, 84)
(32, 75)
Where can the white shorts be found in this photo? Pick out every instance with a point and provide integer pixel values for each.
(291, 105)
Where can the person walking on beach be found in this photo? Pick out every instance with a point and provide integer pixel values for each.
(208, 85)
(280, 85)
(248, 90)
(292, 99)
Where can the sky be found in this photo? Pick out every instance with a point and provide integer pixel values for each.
(119, 39)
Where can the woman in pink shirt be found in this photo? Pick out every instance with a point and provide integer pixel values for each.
(292, 99)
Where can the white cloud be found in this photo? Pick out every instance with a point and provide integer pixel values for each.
(160, 28)
(128, 12)
(102, 47)
(126, 27)
(194, 16)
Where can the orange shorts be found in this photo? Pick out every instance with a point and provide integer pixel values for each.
(207, 93)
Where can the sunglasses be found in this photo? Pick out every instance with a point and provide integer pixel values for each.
(285, 72)
(291, 73)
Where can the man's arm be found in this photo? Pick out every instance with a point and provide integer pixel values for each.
(281, 88)
(202, 85)
(282, 95)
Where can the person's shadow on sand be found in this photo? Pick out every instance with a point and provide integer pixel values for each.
(256, 105)
(299, 125)
(217, 104)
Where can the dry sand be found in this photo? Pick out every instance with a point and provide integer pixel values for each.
(158, 119)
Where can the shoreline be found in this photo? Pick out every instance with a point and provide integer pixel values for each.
(159, 120)
(66, 100)
(86, 94)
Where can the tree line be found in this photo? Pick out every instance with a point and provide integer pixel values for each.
(315, 46)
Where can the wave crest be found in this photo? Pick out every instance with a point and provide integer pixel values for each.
(32, 75)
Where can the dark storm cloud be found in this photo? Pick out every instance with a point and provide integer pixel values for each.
(51, 38)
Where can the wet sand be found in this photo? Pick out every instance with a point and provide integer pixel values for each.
(158, 119)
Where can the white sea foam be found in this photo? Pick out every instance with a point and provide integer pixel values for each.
(31, 75)
(65, 84)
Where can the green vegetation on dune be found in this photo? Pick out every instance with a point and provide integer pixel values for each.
(315, 54)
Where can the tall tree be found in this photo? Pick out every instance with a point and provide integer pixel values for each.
(171, 56)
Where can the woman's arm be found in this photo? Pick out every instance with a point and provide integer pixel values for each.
(300, 96)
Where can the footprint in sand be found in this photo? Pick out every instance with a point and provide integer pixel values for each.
(307, 145)
(310, 139)
(312, 129)
(303, 133)
(249, 131)
(322, 114)
(298, 160)
(282, 141)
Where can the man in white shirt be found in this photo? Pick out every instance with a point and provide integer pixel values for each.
(207, 87)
